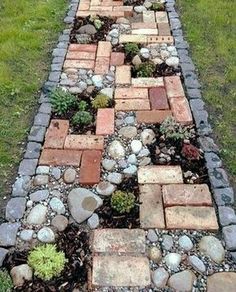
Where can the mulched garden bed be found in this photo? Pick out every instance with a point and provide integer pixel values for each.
(75, 244)
(112, 219)
(101, 33)
(139, 3)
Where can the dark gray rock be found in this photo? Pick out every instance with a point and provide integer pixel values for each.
(218, 178)
(193, 93)
(41, 120)
(58, 60)
(233, 255)
(37, 134)
(191, 81)
(173, 15)
(201, 121)
(177, 32)
(43, 98)
(207, 144)
(212, 160)
(87, 29)
(181, 45)
(54, 76)
(45, 108)
(56, 67)
(175, 23)
(229, 233)
(28, 166)
(197, 104)
(8, 232)
(33, 150)
(65, 37)
(226, 215)
(186, 67)
(21, 186)
(3, 253)
(59, 52)
(224, 196)
(15, 208)
(62, 45)
(68, 20)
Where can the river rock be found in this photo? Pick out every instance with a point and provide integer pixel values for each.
(26, 234)
(173, 260)
(182, 281)
(93, 221)
(87, 29)
(69, 175)
(60, 222)
(136, 146)
(46, 235)
(20, 274)
(148, 136)
(172, 61)
(219, 282)
(140, 9)
(197, 264)
(185, 243)
(115, 178)
(57, 206)
(3, 253)
(128, 132)
(21, 186)
(15, 208)
(154, 254)
(132, 159)
(8, 232)
(160, 277)
(108, 164)
(82, 203)
(41, 179)
(152, 236)
(40, 195)
(105, 188)
(37, 215)
(212, 247)
(136, 61)
(131, 170)
(167, 242)
(116, 150)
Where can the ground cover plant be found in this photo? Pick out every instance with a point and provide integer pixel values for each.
(30, 30)
(212, 43)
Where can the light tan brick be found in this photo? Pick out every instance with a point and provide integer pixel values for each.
(102, 65)
(196, 218)
(132, 104)
(127, 38)
(104, 49)
(160, 174)
(181, 110)
(119, 271)
(123, 74)
(161, 17)
(131, 93)
(84, 142)
(145, 31)
(149, 16)
(164, 29)
(119, 241)
(153, 116)
(147, 82)
(101, 8)
(174, 86)
(151, 208)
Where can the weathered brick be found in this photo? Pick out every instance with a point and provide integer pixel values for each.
(153, 116)
(119, 241)
(105, 121)
(132, 104)
(121, 271)
(111, 14)
(151, 208)
(164, 29)
(186, 195)
(149, 16)
(160, 39)
(161, 17)
(156, 174)
(117, 59)
(79, 64)
(158, 98)
(147, 82)
(84, 142)
(174, 86)
(77, 55)
(145, 25)
(90, 167)
(102, 65)
(131, 93)
(60, 157)
(197, 218)
(84, 5)
(56, 134)
(145, 31)
(104, 49)
(123, 74)
(181, 110)
(95, 2)
(127, 38)
(101, 8)
(83, 48)
(128, 10)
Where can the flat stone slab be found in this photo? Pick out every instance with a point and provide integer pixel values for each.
(219, 282)
(155, 174)
(8, 232)
(120, 271)
(186, 195)
(119, 241)
(151, 208)
(199, 218)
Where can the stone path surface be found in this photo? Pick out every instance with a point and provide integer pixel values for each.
(186, 234)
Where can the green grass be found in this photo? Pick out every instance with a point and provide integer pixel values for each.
(209, 26)
(29, 31)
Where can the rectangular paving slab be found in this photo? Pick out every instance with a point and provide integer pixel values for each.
(119, 241)
(120, 271)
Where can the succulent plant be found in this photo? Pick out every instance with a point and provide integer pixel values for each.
(190, 152)
(131, 49)
(122, 202)
(61, 101)
(146, 69)
(101, 101)
(82, 118)
(6, 284)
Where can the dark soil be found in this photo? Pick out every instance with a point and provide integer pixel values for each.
(100, 35)
(109, 218)
(139, 3)
(75, 244)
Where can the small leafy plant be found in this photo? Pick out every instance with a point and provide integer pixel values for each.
(101, 101)
(96, 21)
(82, 118)
(82, 105)
(131, 49)
(173, 130)
(158, 6)
(6, 284)
(46, 261)
(61, 101)
(146, 69)
(190, 152)
(122, 202)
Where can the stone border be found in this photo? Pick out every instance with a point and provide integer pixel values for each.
(222, 192)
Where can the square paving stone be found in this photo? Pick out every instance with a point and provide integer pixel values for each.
(229, 233)
(33, 150)
(37, 134)
(28, 166)
(8, 233)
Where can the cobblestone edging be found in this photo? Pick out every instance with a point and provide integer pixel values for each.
(220, 186)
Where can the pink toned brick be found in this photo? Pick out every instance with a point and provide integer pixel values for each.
(101, 8)
(79, 64)
(123, 74)
(186, 195)
(104, 49)
(83, 48)
(102, 65)
(158, 98)
(77, 55)
(131, 93)
(132, 104)
(153, 116)
(105, 121)
(84, 142)
(128, 10)
(117, 59)
(174, 86)
(56, 134)
(90, 167)
(181, 110)
(60, 157)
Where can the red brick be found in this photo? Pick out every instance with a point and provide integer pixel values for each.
(84, 142)
(144, 25)
(131, 93)
(181, 110)
(164, 29)
(90, 167)
(60, 157)
(128, 10)
(79, 64)
(132, 104)
(102, 65)
(174, 86)
(152, 117)
(123, 74)
(77, 55)
(105, 121)
(56, 134)
(158, 98)
(197, 218)
(186, 195)
(160, 39)
(151, 208)
(83, 48)
(117, 59)
(104, 49)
